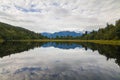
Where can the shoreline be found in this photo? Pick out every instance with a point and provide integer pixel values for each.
(107, 42)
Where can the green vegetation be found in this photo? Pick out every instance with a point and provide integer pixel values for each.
(1, 40)
(9, 32)
(111, 32)
(109, 35)
(66, 37)
(110, 42)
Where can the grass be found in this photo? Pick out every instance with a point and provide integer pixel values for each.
(1, 40)
(110, 42)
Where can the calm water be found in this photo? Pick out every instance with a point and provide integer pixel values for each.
(59, 61)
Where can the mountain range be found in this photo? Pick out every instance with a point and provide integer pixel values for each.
(62, 33)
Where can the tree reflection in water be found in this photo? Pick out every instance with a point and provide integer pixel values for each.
(109, 51)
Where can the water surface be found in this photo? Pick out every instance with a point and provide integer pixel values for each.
(59, 61)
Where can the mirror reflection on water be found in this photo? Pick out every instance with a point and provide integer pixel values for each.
(59, 61)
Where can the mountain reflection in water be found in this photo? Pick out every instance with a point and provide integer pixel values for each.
(59, 61)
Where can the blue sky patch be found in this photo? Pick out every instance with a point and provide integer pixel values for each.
(27, 10)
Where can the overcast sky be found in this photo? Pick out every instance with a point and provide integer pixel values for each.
(59, 15)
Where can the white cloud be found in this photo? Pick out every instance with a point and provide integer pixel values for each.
(58, 15)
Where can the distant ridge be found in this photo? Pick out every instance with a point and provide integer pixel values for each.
(62, 33)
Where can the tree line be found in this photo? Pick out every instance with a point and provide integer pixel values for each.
(110, 32)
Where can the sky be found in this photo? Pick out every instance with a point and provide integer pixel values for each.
(59, 15)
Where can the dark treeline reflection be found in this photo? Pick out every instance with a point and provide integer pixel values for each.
(7, 48)
(111, 52)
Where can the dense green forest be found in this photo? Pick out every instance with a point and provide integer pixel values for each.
(110, 32)
(9, 32)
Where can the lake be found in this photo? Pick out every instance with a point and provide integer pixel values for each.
(59, 61)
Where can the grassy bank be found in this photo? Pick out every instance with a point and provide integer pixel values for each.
(110, 42)
(1, 40)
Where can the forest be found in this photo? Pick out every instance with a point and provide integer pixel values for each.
(9, 32)
(110, 32)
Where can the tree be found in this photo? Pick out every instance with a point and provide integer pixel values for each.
(110, 32)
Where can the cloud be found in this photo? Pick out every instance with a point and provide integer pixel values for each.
(58, 15)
